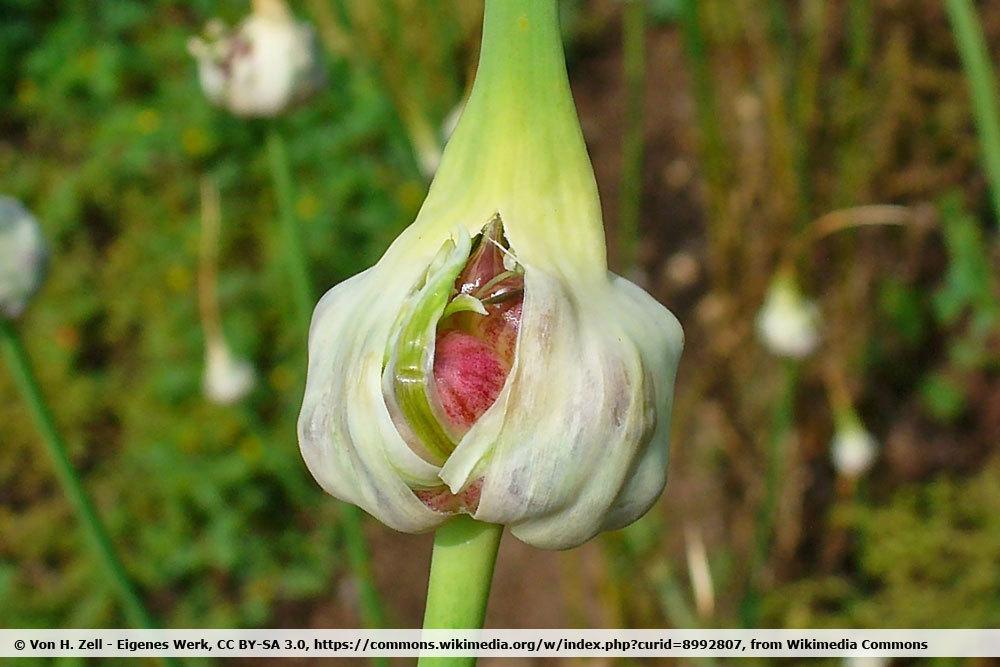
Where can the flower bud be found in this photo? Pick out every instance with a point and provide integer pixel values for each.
(23, 257)
(489, 363)
(268, 64)
(853, 448)
(788, 323)
(227, 379)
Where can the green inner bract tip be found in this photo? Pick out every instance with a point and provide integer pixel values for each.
(454, 342)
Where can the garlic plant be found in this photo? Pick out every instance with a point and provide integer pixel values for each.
(489, 364)
(23, 257)
(269, 63)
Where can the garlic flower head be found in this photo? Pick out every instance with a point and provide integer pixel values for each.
(270, 62)
(788, 322)
(489, 363)
(227, 379)
(853, 448)
(23, 257)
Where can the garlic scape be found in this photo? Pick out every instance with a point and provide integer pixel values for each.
(489, 363)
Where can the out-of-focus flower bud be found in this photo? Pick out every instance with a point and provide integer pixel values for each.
(489, 363)
(23, 257)
(788, 323)
(853, 448)
(227, 379)
(268, 63)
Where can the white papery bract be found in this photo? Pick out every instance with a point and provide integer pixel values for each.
(227, 379)
(788, 323)
(268, 63)
(23, 257)
(576, 443)
(576, 440)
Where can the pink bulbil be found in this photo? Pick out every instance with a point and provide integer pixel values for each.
(469, 375)
(474, 353)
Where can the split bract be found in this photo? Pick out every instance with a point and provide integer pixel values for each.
(575, 439)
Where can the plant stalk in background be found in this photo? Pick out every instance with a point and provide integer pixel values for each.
(634, 51)
(23, 266)
(94, 530)
(227, 378)
(297, 262)
(723, 237)
(782, 430)
(982, 87)
(294, 249)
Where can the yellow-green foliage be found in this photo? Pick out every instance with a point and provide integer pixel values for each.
(926, 558)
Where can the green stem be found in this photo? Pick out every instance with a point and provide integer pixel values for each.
(982, 86)
(372, 614)
(519, 149)
(706, 110)
(723, 235)
(859, 34)
(634, 52)
(805, 96)
(298, 263)
(673, 600)
(465, 551)
(782, 423)
(94, 530)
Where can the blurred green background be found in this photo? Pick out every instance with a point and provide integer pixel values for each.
(721, 133)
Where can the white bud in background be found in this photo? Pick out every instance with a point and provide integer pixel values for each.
(788, 323)
(853, 448)
(269, 63)
(23, 257)
(227, 379)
